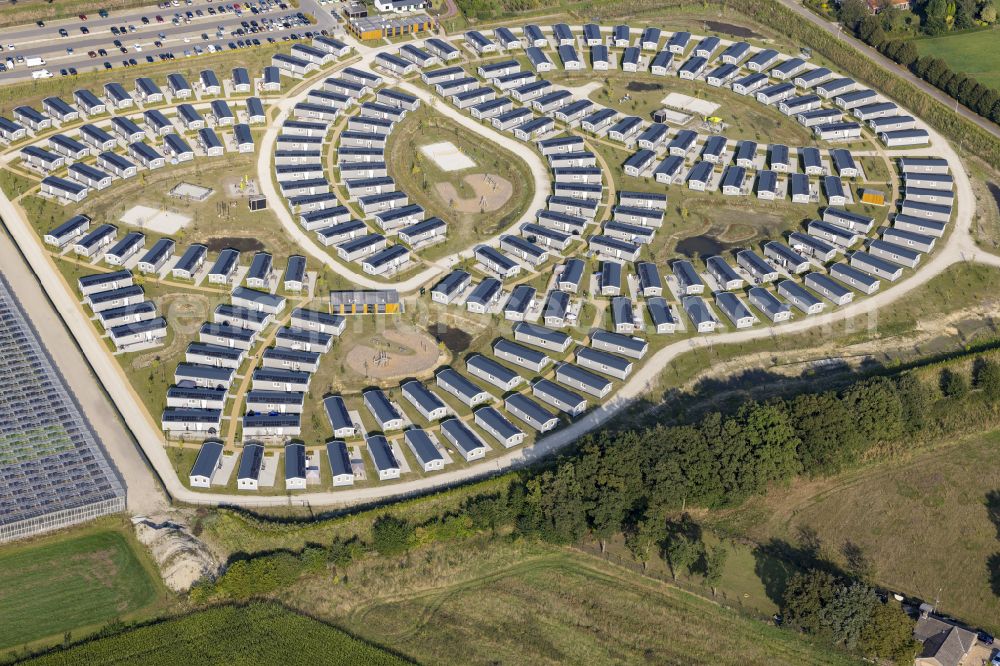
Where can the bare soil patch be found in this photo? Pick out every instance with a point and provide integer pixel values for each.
(393, 353)
(490, 192)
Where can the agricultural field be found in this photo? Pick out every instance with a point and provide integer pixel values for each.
(260, 633)
(73, 580)
(975, 53)
(926, 525)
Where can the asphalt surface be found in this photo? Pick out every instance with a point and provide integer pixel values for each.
(33, 41)
(895, 68)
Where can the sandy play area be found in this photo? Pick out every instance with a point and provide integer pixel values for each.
(491, 192)
(155, 219)
(447, 157)
(698, 107)
(395, 353)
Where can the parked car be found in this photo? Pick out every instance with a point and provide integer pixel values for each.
(84, 30)
(107, 65)
(63, 32)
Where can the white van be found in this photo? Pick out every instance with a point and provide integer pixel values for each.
(41, 74)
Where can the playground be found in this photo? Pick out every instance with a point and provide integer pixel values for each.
(481, 193)
(389, 355)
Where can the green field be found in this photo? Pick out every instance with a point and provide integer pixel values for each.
(64, 582)
(566, 607)
(975, 53)
(256, 635)
(927, 525)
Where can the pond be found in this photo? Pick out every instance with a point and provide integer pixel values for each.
(730, 29)
(455, 339)
(236, 242)
(639, 86)
(701, 246)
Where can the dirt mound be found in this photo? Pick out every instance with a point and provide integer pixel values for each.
(181, 558)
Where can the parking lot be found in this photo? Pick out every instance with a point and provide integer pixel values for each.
(176, 29)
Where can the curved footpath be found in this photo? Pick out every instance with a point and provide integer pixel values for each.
(959, 247)
(539, 172)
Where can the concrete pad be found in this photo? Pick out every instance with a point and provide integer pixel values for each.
(156, 220)
(699, 107)
(447, 156)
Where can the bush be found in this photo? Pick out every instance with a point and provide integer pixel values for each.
(953, 384)
(392, 535)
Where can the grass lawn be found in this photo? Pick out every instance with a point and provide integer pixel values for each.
(80, 578)
(567, 607)
(260, 633)
(420, 177)
(975, 53)
(926, 524)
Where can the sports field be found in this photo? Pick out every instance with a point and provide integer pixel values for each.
(254, 635)
(69, 581)
(975, 53)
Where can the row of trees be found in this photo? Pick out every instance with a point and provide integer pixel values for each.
(874, 30)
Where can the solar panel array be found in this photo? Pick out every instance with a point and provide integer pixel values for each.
(52, 470)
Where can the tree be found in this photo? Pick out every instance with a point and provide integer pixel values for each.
(937, 18)
(828, 434)
(915, 397)
(953, 384)
(988, 378)
(889, 635)
(715, 564)
(682, 547)
(392, 535)
(642, 536)
(806, 595)
(851, 13)
(988, 13)
(870, 30)
(877, 409)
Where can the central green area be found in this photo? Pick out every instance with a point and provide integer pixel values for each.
(476, 202)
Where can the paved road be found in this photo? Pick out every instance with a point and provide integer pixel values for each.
(958, 247)
(46, 42)
(835, 29)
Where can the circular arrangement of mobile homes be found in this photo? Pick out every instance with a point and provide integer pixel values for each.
(290, 299)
